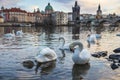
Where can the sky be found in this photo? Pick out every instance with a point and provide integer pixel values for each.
(87, 6)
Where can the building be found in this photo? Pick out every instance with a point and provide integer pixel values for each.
(1, 19)
(75, 12)
(99, 13)
(60, 18)
(38, 16)
(70, 16)
(14, 15)
(19, 15)
(48, 9)
(30, 17)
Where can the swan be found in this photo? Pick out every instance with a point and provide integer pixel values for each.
(9, 36)
(63, 46)
(67, 46)
(80, 55)
(46, 55)
(93, 39)
(19, 33)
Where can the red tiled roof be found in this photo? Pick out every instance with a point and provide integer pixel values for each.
(14, 10)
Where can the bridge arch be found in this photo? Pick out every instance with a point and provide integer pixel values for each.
(88, 23)
(103, 21)
(117, 23)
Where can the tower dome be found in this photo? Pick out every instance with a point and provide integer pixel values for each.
(48, 9)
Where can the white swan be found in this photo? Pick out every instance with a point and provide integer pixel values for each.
(93, 39)
(19, 33)
(9, 36)
(46, 55)
(80, 55)
(63, 46)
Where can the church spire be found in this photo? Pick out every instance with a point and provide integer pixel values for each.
(99, 12)
(99, 8)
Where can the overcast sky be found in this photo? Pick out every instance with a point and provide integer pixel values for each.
(87, 6)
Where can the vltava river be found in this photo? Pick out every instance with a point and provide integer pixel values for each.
(12, 54)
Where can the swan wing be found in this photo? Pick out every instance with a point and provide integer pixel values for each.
(81, 57)
(45, 55)
(84, 54)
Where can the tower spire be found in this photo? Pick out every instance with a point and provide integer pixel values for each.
(75, 3)
(99, 8)
(99, 12)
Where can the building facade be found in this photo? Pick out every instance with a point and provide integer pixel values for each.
(1, 19)
(14, 15)
(60, 18)
(38, 16)
(19, 15)
(70, 16)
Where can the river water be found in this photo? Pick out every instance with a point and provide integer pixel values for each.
(12, 54)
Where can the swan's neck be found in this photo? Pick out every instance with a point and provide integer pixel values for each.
(78, 49)
(63, 41)
(13, 32)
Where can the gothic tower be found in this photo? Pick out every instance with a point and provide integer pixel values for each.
(99, 12)
(76, 12)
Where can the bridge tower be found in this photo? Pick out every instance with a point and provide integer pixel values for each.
(76, 12)
(99, 12)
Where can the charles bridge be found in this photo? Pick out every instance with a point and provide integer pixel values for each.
(112, 22)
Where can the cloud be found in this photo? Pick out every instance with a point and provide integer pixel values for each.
(64, 1)
(91, 6)
(87, 6)
(9, 3)
(31, 8)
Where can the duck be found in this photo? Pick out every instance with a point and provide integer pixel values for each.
(28, 64)
(80, 55)
(45, 55)
(9, 36)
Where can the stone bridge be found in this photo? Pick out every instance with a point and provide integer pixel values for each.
(113, 22)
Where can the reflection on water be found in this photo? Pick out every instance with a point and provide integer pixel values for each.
(79, 71)
(75, 32)
(46, 68)
(15, 52)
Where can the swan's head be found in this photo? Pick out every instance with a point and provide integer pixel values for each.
(63, 41)
(74, 45)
